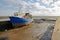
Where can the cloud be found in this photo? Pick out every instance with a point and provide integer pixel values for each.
(6, 12)
(37, 7)
(56, 9)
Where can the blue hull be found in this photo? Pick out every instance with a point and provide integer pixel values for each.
(17, 20)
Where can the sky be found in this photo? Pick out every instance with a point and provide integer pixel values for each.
(35, 7)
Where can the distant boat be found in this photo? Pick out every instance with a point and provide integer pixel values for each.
(16, 21)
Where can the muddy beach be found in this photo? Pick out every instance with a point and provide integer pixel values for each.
(39, 30)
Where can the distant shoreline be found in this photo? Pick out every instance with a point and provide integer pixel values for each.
(55, 17)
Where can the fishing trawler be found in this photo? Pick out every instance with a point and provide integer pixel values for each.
(18, 20)
(14, 21)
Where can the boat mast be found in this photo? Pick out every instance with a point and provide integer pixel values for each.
(19, 12)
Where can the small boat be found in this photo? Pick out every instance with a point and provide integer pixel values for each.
(16, 21)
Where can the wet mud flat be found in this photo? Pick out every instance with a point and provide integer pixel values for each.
(42, 29)
(48, 34)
